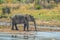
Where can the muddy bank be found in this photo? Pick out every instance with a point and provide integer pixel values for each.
(53, 23)
(31, 29)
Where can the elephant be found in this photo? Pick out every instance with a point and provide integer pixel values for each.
(22, 19)
(6, 10)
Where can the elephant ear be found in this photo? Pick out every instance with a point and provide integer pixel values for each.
(26, 15)
(31, 17)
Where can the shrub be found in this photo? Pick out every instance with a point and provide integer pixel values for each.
(52, 6)
(38, 7)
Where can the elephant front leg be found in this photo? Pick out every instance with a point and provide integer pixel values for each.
(35, 25)
(27, 27)
(24, 27)
(12, 27)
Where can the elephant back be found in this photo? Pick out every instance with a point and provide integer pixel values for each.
(18, 18)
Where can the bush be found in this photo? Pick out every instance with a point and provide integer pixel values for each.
(3, 16)
(53, 5)
(38, 7)
(1, 1)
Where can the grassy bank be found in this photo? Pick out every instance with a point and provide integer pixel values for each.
(42, 14)
(46, 16)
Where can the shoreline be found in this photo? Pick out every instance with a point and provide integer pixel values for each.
(30, 30)
(39, 22)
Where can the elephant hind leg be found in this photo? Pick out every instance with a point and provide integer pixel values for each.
(16, 27)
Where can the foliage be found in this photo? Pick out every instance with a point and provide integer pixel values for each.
(53, 5)
(42, 14)
(1, 1)
(38, 7)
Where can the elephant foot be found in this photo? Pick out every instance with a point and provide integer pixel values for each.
(12, 29)
(24, 30)
(35, 30)
(17, 29)
(27, 30)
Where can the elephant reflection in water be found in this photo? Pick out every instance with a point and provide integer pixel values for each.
(22, 19)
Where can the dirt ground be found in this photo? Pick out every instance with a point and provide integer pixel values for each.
(54, 23)
(38, 22)
(31, 29)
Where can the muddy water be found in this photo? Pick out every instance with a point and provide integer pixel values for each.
(4, 24)
(33, 36)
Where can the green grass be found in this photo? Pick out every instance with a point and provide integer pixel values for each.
(51, 17)
(42, 16)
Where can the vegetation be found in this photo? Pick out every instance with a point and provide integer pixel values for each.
(1, 1)
(46, 9)
(38, 7)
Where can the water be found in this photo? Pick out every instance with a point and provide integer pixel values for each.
(33, 36)
(4, 24)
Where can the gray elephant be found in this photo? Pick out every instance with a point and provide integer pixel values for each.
(6, 10)
(22, 19)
